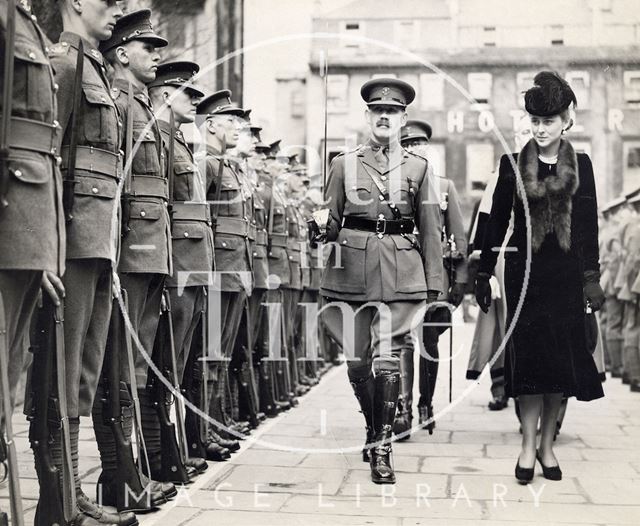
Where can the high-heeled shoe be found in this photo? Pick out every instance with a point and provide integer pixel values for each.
(549, 472)
(524, 475)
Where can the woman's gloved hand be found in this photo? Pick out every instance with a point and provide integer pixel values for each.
(594, 295)
(456, 294)
(483, 291)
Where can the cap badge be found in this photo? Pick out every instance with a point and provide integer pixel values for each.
(385, 91)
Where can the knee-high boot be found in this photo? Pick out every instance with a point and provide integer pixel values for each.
(363, 389)
(385, 400)
(404, 416)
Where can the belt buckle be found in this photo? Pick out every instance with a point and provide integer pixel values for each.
(380, 231)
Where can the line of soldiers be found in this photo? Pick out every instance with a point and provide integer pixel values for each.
(620, 258)
(112, 228)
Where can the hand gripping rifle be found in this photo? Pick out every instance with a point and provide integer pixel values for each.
(173, 468)
(8, 449)
(57, 490)
(130, 493)
(7, 101)
(68, 195)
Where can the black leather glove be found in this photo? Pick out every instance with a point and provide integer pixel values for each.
(456, 294)
(432, 296)
(483, 291)
(594, 295)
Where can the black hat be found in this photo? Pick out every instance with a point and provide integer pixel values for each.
(550, 95)
(177, 74)
(415, 129)
(255, 133)
(274, 148)
(133, 26)
(246, 115)
(387, 92)
(219, 103)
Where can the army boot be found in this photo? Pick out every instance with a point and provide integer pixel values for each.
(385, 400)
(119, 483)
(363, 389)
(89, 513)
(404, 416)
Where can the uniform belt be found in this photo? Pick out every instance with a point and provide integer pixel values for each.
(149, 186)
(182, 211)
(232, 225)
(252, 232)
(95, 160)
(294, 245)
(379, 226)
(278, 240)
(261, 238)
(36, 136)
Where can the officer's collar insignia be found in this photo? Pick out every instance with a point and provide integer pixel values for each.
(25, 5)
(94, 53)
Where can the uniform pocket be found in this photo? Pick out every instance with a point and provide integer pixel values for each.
(409, 267)
(346, 268)
(359, 197)
(182, 184)
(146, 155)
(32, 168)
(228, 242)
(146, 211)
(96, 187)
(195, 231)
(100, 116)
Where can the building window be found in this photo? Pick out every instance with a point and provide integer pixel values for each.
(582, 147)
(632, 87)
(480, 165)
(557, 35)
(489, 35)
(406, 34)
(297, 103)
(631, 165)
(337, 93)
(580, 83)
(431, 91)
(480, 87)
(524, 80)
(351, 29)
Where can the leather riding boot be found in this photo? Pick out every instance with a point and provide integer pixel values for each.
(119, 484)
(363, 389)
(385, 400)
(404, 417)
(428, 374)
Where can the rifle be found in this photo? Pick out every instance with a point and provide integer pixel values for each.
(7, 102)
(10, 456)
(172, 463)
(68, 194)
(142, 448)
(128, 151)
(171, 155)
(130, 493)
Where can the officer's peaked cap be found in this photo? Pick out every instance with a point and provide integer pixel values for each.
(387, 92)
(219, 103)
(133, 26)
(415, 129)
(178, 74)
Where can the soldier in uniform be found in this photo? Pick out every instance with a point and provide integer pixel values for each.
(174, 98)
(231, 206)
(145, 255)
(32, 233)
(378, 195)
(414, 137)
(91, 167)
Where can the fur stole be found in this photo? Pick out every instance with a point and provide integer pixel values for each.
(550, 200)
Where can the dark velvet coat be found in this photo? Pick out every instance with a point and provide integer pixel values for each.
(547, 350)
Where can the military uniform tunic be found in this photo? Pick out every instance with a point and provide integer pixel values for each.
(32, 234)
(94, 232)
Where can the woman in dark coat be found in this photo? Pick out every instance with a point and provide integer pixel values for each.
(547, 355)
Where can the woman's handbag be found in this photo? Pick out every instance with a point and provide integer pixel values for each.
(591, 329)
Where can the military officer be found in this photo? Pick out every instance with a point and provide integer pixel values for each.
(91, 167)
(414, 137)
(174, 98)
(231, 206)
(145, 256)
(378, 195)
(32, 233)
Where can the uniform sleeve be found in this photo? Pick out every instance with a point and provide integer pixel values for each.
(64, 71)
(498, 222)
(589, 216)
(430, 231)
(455, 226)
(335, 197)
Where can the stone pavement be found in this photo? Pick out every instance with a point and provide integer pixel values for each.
(304, 466)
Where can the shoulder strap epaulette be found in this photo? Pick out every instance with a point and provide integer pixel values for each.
(115, 93)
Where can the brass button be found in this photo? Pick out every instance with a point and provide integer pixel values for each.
(103, 99)
(224, 244)
(32, 55)
(380, 216)
(271, 253)
(56, 124)
(59, 160)
(18, 173)
(35, 19)
(55, 87)
(291, 258)
(384, 177)
(255, 253)
(344, 242)
(186, 234)
(94, 190)
(380, 235)
(143, 213)
(353, 187)
(381, 197)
